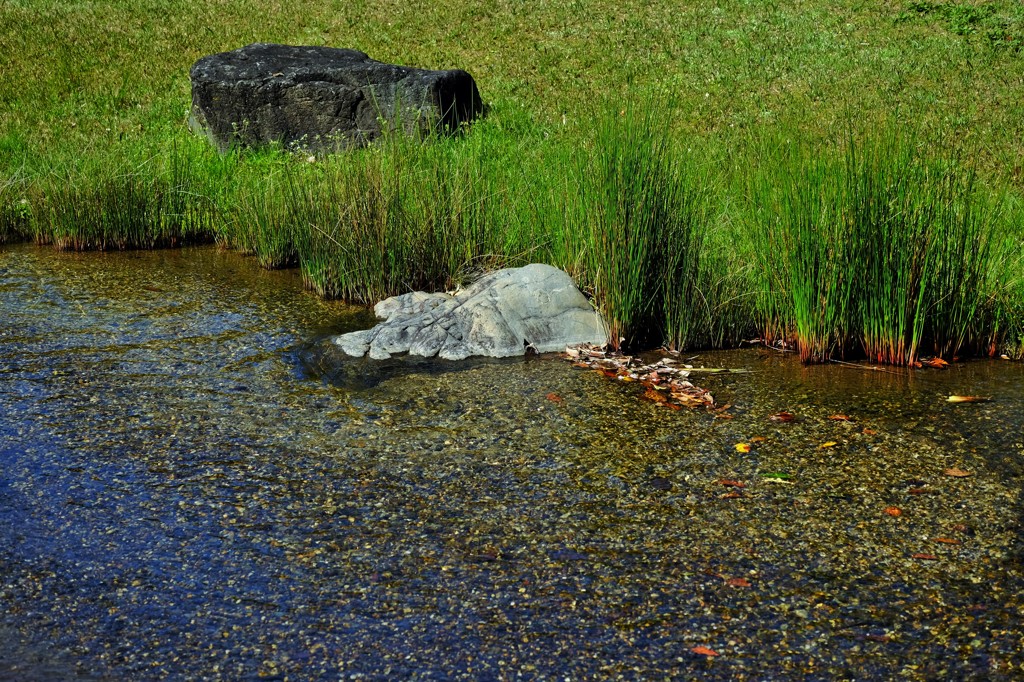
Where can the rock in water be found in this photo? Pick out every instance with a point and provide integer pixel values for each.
(500, 315)
(321, 97)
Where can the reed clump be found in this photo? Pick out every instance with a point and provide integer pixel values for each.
(872, 248)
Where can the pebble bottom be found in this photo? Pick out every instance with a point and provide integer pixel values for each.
(182, 498)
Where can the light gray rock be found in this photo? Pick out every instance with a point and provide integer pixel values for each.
(500, 315)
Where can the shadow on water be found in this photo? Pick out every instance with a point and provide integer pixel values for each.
(193, 488)
(320, 358)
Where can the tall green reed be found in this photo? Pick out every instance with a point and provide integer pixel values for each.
(881, 246)
(645, 205)
(155, 203)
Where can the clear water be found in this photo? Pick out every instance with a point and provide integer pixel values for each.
(185, 495)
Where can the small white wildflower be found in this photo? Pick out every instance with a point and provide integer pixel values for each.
(311, 159)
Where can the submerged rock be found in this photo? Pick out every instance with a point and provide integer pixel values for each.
(321, 97)
(501, 315)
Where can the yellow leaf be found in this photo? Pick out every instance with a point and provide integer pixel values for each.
(742, 447)
(830, 444)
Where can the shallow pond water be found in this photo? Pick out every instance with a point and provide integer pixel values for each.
(182, 497)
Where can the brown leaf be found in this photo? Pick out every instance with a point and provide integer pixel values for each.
(869, 432)
(738, 582)
(959, 527)
(704, 651)
(957, 473)
(757, 439)
(918, 491)
(731, 483)
(656, 396)
(924, 557)
(732, 496)
(878, 638)
(839, 418)
(893, 511)
(967, 399)
(937, 363)
(555, 398)
(947, 541)
(783, 417)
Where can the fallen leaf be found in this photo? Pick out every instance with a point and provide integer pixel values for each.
(783, 417)
(878, 638)
(732, 496)
(656, 396)
(731, 483)
(555, 398)
(869, 432)
(757, 439)
(776, 475)
(742, 447)
(704, 651)
(893, 511)
(724, 415)
(947, 541)
(918, 491)
(829, 444)
(924, 557)
(738, 582)
(959, 527)
(967, 399)
(957, 473)
(839, 418)
(938, 363)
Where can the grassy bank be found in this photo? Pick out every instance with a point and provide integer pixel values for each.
(654, 151)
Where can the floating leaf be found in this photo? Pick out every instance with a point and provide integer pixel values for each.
(839, 418)
(924, 557)
(957, 473)
(742, 447)
(937, 363)
(701, 650)
(731, 483)
(783, 417)
(893, 511)
(967, 399)
(555, 398)
(947, 541)
(829, 444)
(738, 582)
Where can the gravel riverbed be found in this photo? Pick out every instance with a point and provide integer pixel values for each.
(181, 497)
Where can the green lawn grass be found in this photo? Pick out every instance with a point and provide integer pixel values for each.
(728, 209)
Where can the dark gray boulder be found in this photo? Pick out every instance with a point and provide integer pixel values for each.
(312, 98)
